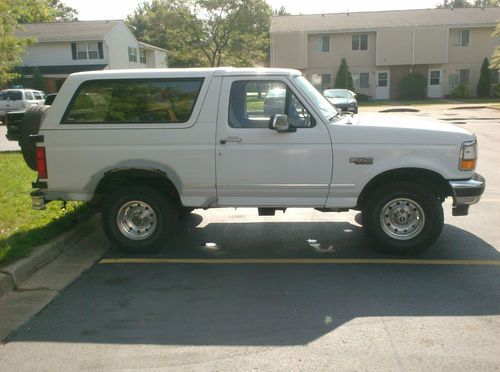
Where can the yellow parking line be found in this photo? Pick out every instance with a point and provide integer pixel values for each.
(297, 261)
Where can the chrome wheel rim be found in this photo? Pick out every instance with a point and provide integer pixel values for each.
(402, 219)
(136, 220)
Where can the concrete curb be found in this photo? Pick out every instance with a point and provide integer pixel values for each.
(15, 273)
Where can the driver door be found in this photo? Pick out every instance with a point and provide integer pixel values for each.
(257, 166)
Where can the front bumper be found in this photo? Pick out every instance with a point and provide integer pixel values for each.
(465, 193)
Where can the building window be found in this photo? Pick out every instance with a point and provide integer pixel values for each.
(142, 56)
(81, 51)
(360, 42)
(321, 44)
(459, 77)
(382, 79)
(361, 80)
(322, 81)
(435, 78)
(92, 50)
(461, 38)
(132, 54)
(87, 50)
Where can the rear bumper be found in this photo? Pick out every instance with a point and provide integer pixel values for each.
(465, 193)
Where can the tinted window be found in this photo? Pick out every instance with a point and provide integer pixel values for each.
(11, 95)
(37, 95)
(133, 101)
(252, 103)
(29, 96)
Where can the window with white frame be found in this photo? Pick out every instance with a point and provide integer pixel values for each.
(321, 81)
(361, 80)
(321, 44)
(459, 77)
(142, 56)
(360, 42)
(461, 38)
(87, 50)
(132, 54)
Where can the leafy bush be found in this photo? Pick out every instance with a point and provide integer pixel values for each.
(412, 86)
(496, 90)
(483, 85)
(360, 97)
(461, 91)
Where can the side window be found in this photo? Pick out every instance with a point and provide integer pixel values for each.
(252, 103)
(37, 95)
(28, 96)
(133, 101)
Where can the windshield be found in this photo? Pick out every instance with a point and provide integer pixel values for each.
(328, 110)
(337, 94)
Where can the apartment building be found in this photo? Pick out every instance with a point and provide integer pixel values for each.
(62, 48)
(447, 46)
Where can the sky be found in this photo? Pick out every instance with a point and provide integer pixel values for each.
(119, 9)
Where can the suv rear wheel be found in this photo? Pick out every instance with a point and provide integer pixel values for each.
(139, 219)
(403, 218)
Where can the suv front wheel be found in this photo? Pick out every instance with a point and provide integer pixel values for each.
(403, 218)
(139, 219)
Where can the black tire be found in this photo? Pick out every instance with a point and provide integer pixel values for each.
(32, 119)
(408, 231)
(159, 221)
(185, 211)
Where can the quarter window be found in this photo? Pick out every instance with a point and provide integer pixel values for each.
(133, 101)
(253, 103)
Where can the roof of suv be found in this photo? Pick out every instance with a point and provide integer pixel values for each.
(174, 72)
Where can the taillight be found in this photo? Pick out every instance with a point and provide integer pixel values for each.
(41, 162)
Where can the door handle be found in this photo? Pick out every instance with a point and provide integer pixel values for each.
(223, 141)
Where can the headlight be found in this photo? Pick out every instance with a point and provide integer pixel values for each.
(468, 156)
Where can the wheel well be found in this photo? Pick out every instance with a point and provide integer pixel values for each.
(113, 180)
(425, 177)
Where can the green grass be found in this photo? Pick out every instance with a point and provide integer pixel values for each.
(255, 104)
(22, 228)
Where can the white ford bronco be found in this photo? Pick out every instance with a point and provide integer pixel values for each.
(146, 146)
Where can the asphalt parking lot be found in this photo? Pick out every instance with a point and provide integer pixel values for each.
(301, 291)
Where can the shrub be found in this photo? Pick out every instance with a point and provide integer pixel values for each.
(483, 85)
(461, 91)
(412, 86)
(360, 97)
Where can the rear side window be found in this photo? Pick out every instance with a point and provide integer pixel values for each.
(37, 95)
(11, 95)
(133, 101)
(29, 96)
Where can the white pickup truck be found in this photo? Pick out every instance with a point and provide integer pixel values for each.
(146, 146)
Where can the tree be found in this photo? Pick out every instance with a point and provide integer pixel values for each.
(205, 32)
(452, 4)
(343, 79)
(483, 85)
(37, 81)
(14, 12)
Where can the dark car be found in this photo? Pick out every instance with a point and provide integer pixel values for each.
(343, 99)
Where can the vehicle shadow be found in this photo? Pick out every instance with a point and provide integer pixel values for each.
(267, 304)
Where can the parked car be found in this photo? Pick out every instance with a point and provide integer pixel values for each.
(170, 140)
(344, 99)
(274, 101)
(19, 99)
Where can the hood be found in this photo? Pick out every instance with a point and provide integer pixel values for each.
(390, 128)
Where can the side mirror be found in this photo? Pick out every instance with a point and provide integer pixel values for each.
(279, 123)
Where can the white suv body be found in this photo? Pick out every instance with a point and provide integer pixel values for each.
(217, 149)
(19, 99)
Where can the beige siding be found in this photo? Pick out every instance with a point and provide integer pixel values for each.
(481, 45)
(289, 50)
(394, 47)
(430, 45)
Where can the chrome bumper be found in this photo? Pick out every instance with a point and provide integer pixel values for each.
(465, 193)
